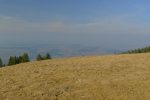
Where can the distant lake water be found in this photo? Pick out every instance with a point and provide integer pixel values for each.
(57, 50)
(66, 45)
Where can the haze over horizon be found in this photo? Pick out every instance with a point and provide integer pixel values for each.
(108, 24)
(74, 50)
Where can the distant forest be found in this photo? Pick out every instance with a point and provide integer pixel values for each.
(139, 50)
(13, 60)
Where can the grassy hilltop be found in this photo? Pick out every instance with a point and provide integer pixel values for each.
(114, 77)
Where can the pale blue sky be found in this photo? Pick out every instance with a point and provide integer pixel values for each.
(90, 22)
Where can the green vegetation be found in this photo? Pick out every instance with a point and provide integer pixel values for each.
(24, 58)
(139, 50)
(1, 63)
(39, 57)
(16, 60)
(13, 60)
(47, 56)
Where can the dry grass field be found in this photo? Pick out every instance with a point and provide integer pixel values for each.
(113, 77)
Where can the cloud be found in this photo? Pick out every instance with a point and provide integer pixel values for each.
(111, 24)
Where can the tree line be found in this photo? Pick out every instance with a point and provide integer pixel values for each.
(13, 60)
(139, 50)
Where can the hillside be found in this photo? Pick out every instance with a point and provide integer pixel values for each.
(114, 77)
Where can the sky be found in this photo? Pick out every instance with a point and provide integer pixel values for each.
(106, 23)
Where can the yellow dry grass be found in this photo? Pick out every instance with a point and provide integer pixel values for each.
(114, 77)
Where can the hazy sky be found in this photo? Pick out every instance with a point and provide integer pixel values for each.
(120, 23)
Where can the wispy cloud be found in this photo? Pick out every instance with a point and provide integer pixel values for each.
(112, 24)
